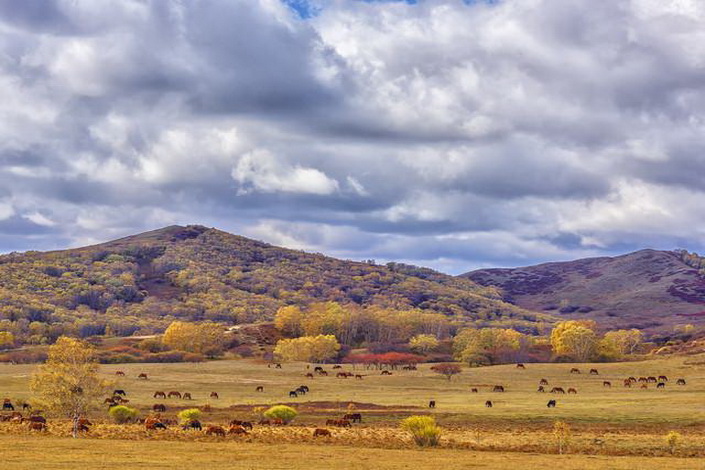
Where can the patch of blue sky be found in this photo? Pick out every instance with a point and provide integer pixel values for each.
(310, 8)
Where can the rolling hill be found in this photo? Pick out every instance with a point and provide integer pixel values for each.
(139, 284)
(648, 289)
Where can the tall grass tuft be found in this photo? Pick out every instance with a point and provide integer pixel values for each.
(423, 429)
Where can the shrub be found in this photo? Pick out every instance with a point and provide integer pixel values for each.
(122, 414)
(423, 429)
(561, 434)
(283, 412)
(673, 439)
(188, 415)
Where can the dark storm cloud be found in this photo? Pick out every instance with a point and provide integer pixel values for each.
(451, 134)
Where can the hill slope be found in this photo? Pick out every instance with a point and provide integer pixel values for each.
(648, 289)
(143, 282)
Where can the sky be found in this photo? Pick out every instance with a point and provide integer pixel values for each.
(445, 133)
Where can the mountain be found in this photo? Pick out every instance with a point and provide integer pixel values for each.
(649, 289)
(139, 284)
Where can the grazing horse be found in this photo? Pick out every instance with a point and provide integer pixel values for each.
(215, 430)
(159, 395)
(187, 396)
(300, 391)
(557, 390)
(574, 370)
(521, 366)
(662, 378)
(193, 424)
(651, 380)
(309, 375)
(432, 404)
(323, 372)
(214, 395)
(473, 390)
(26, 406)
(293, 394)
(541, 389)
(627, 383)
(661, 385)
(644, 386)
(342, 375)
(7, 405)
(318, 369)
(498, 388)
(543, 382)
(261, 388)
(244, 424)
(572, 390)
(488, 403)
(643, 379)
(337, 367)
(551, 404)
(142, 376)
(594, 372)
(119, 392)
(680, 382)
(237, 430)
(353, 417)
(37, 419)
(37, 426)
(120, 373)
(386, 372)
(174, 394)
(632, 379)
(159, 407)
(318, 432)
(278, 366)
(358, 376)
(304, 388)
(607, 383)
(264, 422)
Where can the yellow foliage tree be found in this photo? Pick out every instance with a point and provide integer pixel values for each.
(494, 344)
(621, 342)
(7, 339)
(575, 338)
(308, 348)
(288, 321)
(202, 338)
(68, 383)
(423, 343)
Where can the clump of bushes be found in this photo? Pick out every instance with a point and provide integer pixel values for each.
(188, 415)
(283, 412)
(122, 414)
(673, 440)
(423, 430)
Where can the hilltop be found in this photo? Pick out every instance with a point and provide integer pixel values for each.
(648, 289)
(139, 284)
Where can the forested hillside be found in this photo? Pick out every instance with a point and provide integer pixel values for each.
(140, 284)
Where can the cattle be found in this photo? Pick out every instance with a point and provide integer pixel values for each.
(353, 417)
(237, 430)
(498, 388)
(386, 372)
(651, 380)
(541, 389)
(473, 390)
(680, 382)
(37, 426)
(432, 404)
(521, 366)
(261, 388)
(244, 424)
(662, 378)
(557, 390)
(661, 385)
(215, 431)
(119, 392)
(337, 367)
(574, 370)
(594, 372)
(120, 373)
(543, 382)
(142, 376)
(160, 408)
(488, 403)
(193, 424)
(309, 375)
(318, 432)
(159, 395)
(293, 394)
(551, 404)
(186, 396)
(174, 394)
(572, 390)
(214, 395)
(607, 383)
(358, 376)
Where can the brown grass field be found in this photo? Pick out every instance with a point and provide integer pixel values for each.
(610, 427)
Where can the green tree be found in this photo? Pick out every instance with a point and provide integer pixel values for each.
(423, 344)
(68, 383)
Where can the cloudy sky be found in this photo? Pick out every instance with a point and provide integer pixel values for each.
(447, 133)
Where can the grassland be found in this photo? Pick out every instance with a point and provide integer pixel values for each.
(615, 421)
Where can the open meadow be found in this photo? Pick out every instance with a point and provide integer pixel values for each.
(604, 421)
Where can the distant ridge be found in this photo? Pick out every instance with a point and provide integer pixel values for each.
(648, 289)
